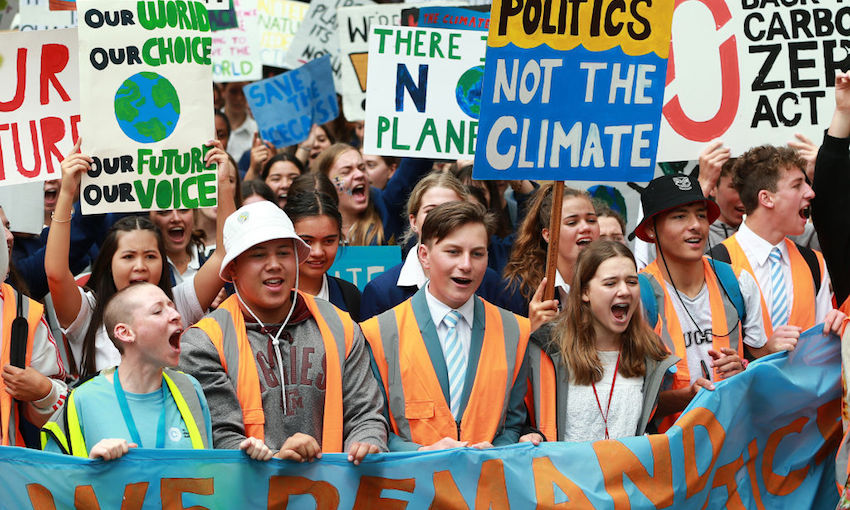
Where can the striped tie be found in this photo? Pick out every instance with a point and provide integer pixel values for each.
(779, 301)
(455, 361)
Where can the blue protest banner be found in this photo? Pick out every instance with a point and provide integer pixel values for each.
(287, 105)
(459, 18)
(764, 439)
(573, 95)
(360, 264)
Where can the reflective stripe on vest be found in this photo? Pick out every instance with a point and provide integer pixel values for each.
(803, 305)
(543, 390)
(10, 434)
(66, 430)
(418, 409)
(226, 329)
(724, 317)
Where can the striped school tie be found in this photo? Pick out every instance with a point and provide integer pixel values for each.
(779, 302)
(455, 361)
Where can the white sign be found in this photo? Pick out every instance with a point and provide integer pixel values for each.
(36, 15)
(236, 51)
(279, 22)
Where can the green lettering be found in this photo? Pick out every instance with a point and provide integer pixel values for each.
(383, 127)
(403, 39)
(395, 136)
(141, 157)
(453, 46)
(145, 193)
(429, 130)
(383, 33)
(417, 50)
(187, 202)
(163, 195)
(206, 190)
(473, 135)
(435, 44)
(455, 136)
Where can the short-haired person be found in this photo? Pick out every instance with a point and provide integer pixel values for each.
(143, 402)
(277, 364)
(451, 365)
(793, 279)
(696, 300)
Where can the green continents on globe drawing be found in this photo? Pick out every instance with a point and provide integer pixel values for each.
(147, 107)
(468, 91)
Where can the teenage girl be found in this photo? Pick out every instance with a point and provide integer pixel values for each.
(132, 251)
(597, 371)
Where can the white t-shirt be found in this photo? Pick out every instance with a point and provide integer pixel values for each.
(698, 341)
(106, 355)
(584, 420)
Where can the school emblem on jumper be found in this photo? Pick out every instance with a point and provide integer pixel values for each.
(242, 218)
(683, 183)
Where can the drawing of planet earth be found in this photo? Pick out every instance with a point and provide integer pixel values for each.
(147, 107)
(468, 91)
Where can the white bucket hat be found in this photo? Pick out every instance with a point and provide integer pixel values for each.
(254, 224)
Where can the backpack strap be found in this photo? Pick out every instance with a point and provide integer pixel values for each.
(729, 282)
(721, 253)
(647, 297)
(811, 259)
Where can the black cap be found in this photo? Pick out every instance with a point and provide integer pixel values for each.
(668, 192)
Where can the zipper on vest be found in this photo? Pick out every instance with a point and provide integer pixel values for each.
(458, 429)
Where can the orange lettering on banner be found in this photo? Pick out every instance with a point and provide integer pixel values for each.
(134, 497)
(617, 460)
(281, 487)
(545, 475)
(775, 483)
(492, 491)
(446, 493)
(40, 497)
(829, 425)
(725, 477)
(699, 416)
(371, 487)
(171, 491)
(752, 454)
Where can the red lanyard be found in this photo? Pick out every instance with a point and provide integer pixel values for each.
(610, 397)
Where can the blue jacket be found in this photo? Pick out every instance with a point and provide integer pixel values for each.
(391, 202)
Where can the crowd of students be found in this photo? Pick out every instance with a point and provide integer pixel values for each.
(223, 329)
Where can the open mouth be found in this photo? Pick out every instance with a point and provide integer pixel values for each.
(138, 279)
(461, 281)
(50, 195)
(359, 192)
(694, 240)
(806, 212)
(620, 311)
(176, 234)
(274, 283)
(583, 241)
(174, 339)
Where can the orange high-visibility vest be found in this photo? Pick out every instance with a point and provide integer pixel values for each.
(247, 381)
(418, 410)
(10, 433)
(540, 399)
(803, 303)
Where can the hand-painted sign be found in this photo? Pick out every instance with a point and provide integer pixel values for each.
(361, 264)
(287, 105)
(147, 115)
(765, 438)
(39, 109)
(236, 52)
(279, 22)
(424, 93)
(573, 93)
(36, 15)
(459, 18)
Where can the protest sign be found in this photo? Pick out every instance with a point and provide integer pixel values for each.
(751, 72)
(317, 36)
(62, 5)
(279, 21)
(460, 18)
(424, 92)
(287, 105)
(223, 19)
(8, 10)
(217, 5)
(40, 109)
(765, 438)
(573, 95)
(23, 205)
(36, 15)
(236, 52)
(361, 264)
(144, 78)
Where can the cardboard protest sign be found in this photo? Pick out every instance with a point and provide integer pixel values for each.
(279, 21)
(144, 79)
(222, 19)
(751, 72)
(573, 95)
(286, 106)
(460, 18)
(36, 15)
(39, 103)
(362, 264)
(23, 205)
(424, 92)
(236, 52)
(317, 36)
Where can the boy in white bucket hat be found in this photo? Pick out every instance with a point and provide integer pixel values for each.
(280, 368)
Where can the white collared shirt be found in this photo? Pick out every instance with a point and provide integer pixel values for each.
(324, 293)
(191, 268)
(439, 310)
(241, 138)
(562, 287)
(411, 271)
(757, 250)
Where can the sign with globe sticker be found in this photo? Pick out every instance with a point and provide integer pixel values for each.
(143, 66)
(424, 94)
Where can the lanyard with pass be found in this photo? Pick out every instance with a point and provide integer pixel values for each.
(610, 397)
(128, 416)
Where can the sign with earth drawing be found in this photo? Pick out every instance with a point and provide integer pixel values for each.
(424, 92)
(144, 73)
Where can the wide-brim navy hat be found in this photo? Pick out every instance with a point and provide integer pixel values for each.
(668, 192)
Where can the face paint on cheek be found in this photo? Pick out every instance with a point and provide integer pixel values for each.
(341, 185)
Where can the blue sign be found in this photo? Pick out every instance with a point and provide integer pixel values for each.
(459, 18)
(360, 264)
(287, 105)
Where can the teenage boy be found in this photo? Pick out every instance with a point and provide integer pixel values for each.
(451, 365)
(702, 311)
(793, 279)
(279, 365)
(142, 402)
